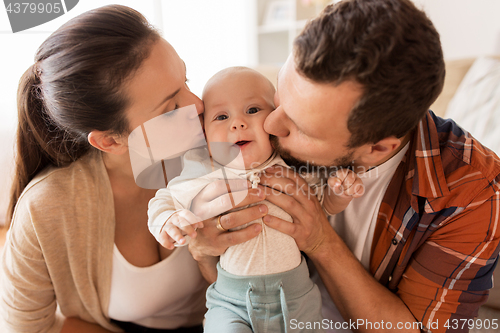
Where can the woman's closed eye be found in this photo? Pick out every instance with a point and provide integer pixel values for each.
(168, 112)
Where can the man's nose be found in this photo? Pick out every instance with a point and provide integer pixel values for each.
(275, 123)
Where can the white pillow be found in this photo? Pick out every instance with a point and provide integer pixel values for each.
(476, 104)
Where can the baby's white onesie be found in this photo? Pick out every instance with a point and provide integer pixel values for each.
(268, 253)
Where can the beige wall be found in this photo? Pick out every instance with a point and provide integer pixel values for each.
(468, 28)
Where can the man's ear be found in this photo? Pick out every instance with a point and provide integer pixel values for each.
(108, 143)
(378, 153)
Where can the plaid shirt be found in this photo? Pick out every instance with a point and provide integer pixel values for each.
(437, 235)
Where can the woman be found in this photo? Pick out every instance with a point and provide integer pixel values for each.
(78, 238)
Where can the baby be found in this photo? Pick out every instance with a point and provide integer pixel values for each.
(263, 282)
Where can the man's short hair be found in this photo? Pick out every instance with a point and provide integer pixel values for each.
(388, 46)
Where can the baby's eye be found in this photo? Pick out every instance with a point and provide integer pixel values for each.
(221, 117)
(252, 110)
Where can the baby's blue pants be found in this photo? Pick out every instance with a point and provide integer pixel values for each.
(263, 303)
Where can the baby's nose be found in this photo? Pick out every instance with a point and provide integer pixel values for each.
(239, 124)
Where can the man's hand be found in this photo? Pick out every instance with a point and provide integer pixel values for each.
(286, 189)
(346, 280)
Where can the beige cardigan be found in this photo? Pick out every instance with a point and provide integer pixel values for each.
(60, 246)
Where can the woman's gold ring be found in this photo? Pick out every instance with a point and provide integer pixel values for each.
(219, 225)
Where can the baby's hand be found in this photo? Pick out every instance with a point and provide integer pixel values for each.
(342, 188)
(178, 225)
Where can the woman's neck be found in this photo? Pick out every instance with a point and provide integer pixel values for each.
(119, 170)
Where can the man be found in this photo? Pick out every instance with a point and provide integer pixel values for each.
(423, 241)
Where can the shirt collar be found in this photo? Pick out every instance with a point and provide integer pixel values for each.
(425, 161)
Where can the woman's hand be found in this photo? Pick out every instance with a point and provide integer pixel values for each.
(214, 200)
(286, 189)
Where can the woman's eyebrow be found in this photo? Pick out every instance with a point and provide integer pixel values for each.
(172, 94)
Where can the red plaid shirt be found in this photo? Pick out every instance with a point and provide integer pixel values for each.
(436, 242)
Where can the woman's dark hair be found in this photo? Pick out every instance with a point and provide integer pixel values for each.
(75, 87)
(388, 46)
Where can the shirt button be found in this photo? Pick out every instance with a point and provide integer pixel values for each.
(390, 278)
(394, 241)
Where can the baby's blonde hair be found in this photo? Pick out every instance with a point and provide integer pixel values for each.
(235, 70)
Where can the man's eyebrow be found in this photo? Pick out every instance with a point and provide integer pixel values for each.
(167, 98)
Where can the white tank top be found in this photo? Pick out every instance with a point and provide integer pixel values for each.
(170, 294)
(356, 224)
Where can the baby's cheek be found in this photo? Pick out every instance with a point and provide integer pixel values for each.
(209, 132)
